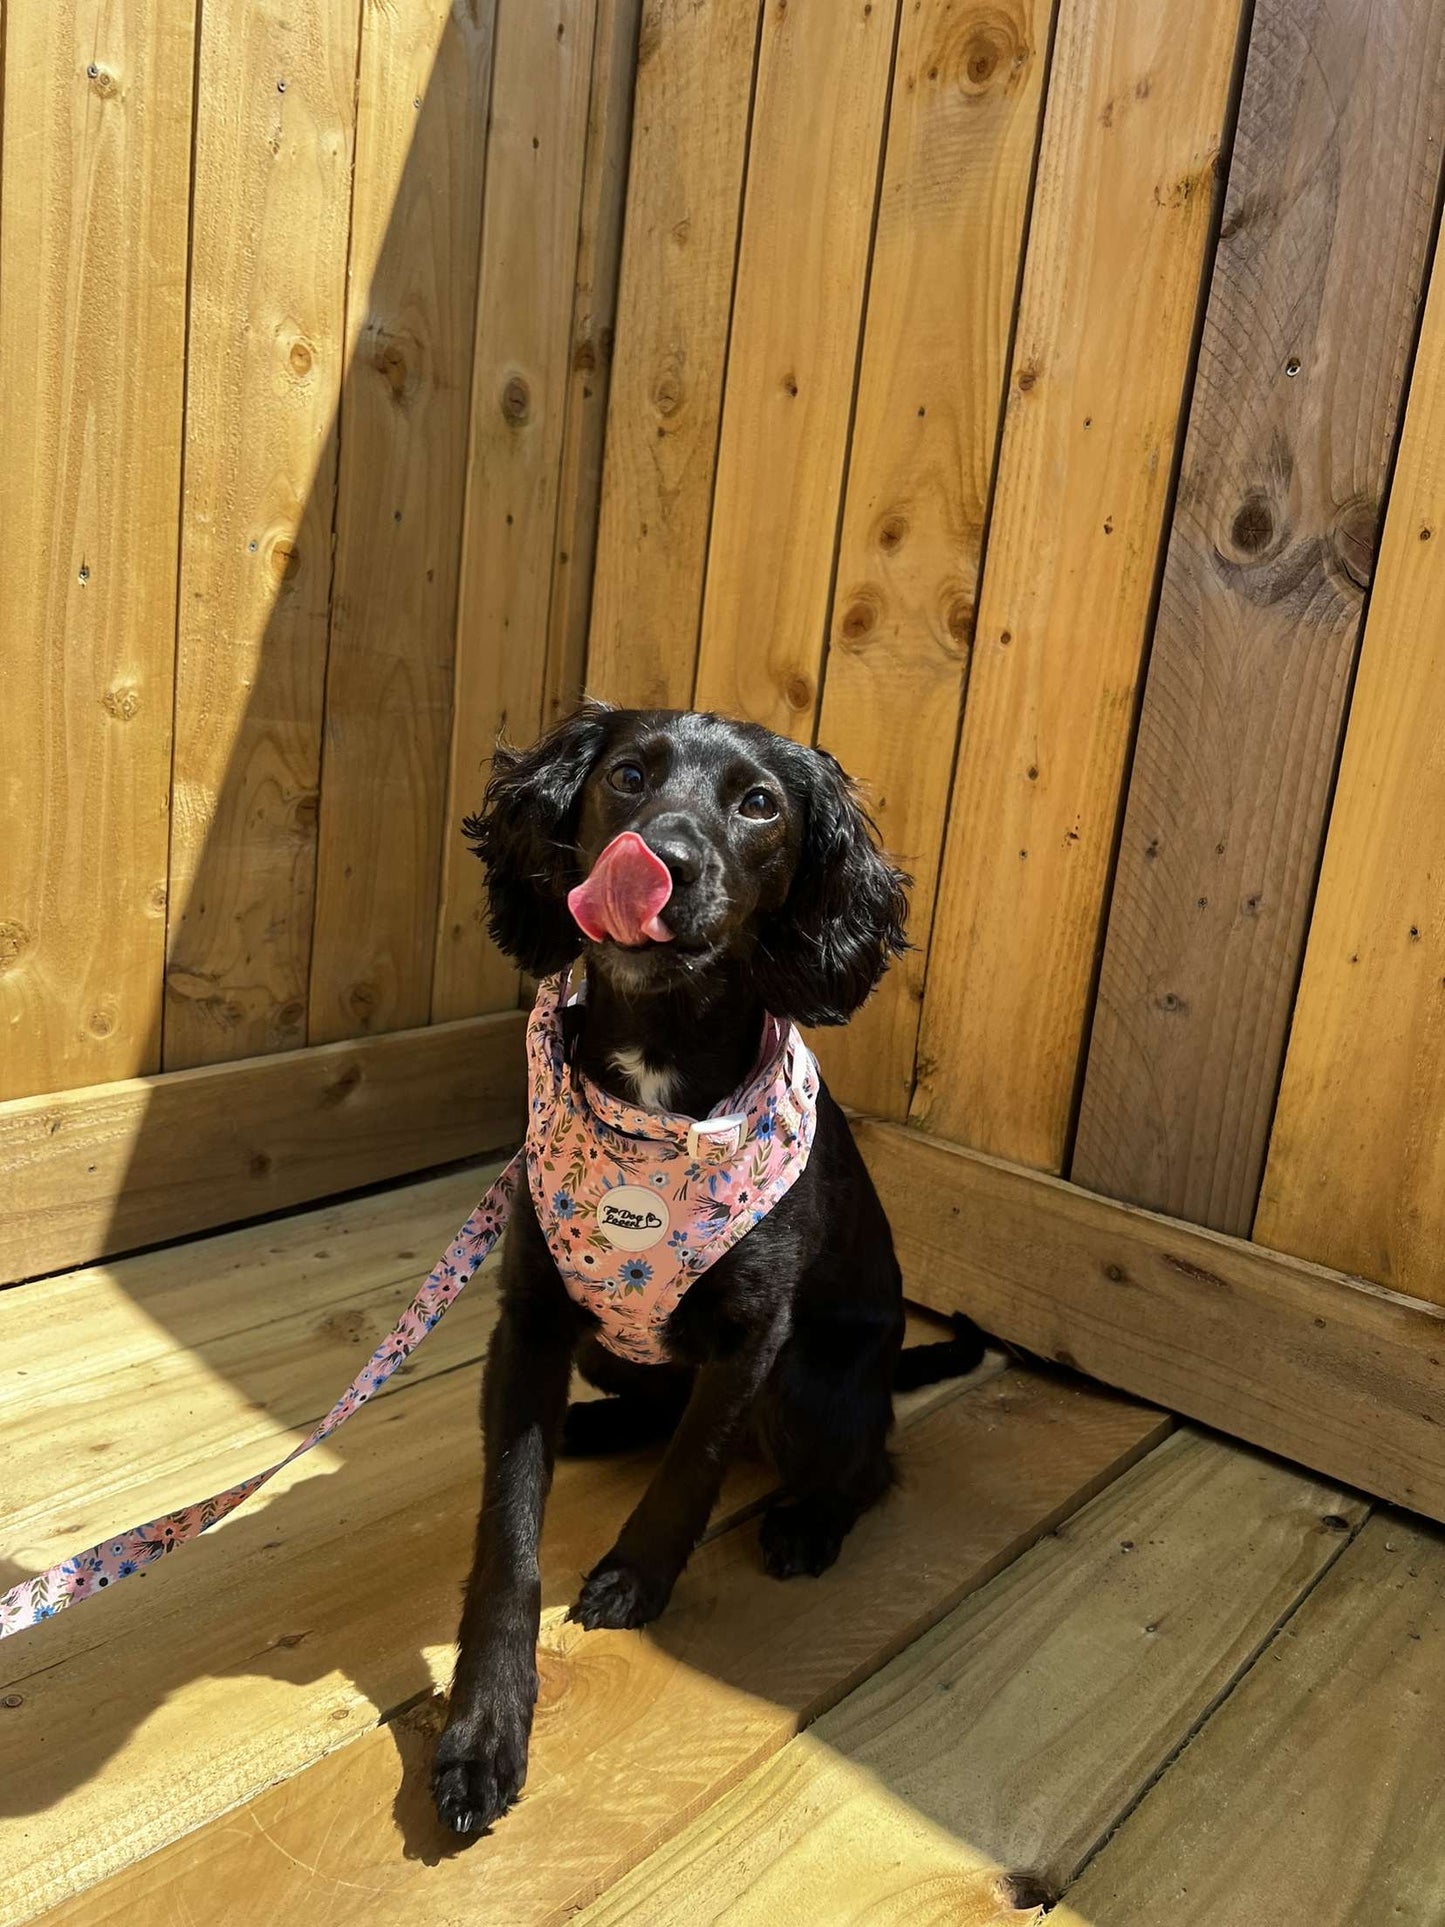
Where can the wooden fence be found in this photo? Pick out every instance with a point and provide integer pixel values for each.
(305, 313)
(1040, 403)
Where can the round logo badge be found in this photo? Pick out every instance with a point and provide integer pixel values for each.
(632, 1218)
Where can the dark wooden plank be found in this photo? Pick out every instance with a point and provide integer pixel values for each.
(1311, 318)
(1338, 1374)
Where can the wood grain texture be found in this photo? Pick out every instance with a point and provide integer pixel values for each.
(1328, 1370)
(423, 90)
(654, 1726)
(272, 199)
(240, 1342)
(95, 160)
(812, 183)
(594, 312)
(535, 156)
(689, 142)
(1137, 102)
(1356, 1170)
(1328, 221)
(1317, 1793)
(961, 138)
(1000, 1749)
(91, 1172)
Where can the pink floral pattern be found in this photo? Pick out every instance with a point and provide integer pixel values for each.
(581, 1143)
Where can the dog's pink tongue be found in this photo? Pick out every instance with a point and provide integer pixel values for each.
(622, 897)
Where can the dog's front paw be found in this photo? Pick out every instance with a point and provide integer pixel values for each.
(619, 1593)
(478, 1771)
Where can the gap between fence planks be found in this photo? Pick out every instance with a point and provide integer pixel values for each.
(987, 1761)
(1137, 104)
(535, 153)
(423, 88)
(689, 145)
(1328, 221)
(654, 1725)
(962, 132)
(1356, 1170)
(1328, 1370)
(275, 146)
(599, 252)
(812, 181)
(1317, 1792)
(90, 1172)
(95, 162)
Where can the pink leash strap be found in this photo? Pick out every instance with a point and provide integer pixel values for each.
(115, 1559)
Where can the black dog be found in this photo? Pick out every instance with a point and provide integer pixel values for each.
(781, 902)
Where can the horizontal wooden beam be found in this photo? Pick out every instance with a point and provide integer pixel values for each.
(1340, 1374)
(88, 1173)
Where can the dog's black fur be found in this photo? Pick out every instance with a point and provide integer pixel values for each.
(781, 902)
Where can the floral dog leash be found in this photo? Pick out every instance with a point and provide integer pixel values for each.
(639, 1175)
(114, 1559)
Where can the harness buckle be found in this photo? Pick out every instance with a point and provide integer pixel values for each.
(716, 1138)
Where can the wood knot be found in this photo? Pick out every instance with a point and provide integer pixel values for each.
(121, 701)
(516, 401)
(259, 1164)
(343, 1084)
(362, 1000)
(892, 531)
(102, 81)
(960, 618)
(1252, 529)
(301, 359)
(289, 1016)
(1354, 536)
(1024, 1892)
(798, 693)
(1028, 376)
(667, 394)
(858, 621)
(584, 356)
(101, 1023)
(14, 938)
(285, 560)
(304, 811)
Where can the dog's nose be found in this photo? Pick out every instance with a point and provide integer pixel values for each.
(682, 858)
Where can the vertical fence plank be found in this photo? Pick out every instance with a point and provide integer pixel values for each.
(1356, 1171)
(535, 155)
(1312, 315)
(961, 141)
(421, 138)
(599, 253)
(272, 202)
(1137, 103)
(93, 235)
(689, 140)
(823, 68)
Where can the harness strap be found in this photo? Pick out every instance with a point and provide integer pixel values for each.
(101, 1566)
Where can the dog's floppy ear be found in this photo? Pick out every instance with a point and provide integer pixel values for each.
(524, 834)
(819, 957)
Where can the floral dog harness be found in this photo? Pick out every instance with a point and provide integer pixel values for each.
(636, 1204)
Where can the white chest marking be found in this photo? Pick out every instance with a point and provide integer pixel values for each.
(653, 1088)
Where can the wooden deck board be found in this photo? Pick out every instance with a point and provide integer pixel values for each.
(1318, 1792)
(635, 1733)
(995, 1753)
(325, 1604)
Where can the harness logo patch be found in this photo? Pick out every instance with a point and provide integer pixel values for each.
(632, 1218)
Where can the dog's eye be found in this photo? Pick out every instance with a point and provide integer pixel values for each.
(629, 778)
(760, 805)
